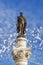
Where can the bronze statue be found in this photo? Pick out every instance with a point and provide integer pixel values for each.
(21, 24)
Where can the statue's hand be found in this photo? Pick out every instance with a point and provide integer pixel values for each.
(17, 25)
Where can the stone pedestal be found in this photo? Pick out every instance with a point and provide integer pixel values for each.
(21, 53)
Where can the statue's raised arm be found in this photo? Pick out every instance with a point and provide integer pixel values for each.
(21, 25)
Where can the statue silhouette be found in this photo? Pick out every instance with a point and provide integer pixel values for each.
(21, 24)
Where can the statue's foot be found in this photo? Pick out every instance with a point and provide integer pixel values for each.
(21, 35)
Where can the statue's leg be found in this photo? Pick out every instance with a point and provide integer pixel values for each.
(20, 28)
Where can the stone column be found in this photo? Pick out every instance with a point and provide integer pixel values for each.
(21, 53)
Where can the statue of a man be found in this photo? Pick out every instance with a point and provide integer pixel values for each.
(21, 24)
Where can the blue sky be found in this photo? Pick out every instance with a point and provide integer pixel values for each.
(33, 12)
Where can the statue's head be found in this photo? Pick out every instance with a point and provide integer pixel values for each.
(21, 13)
